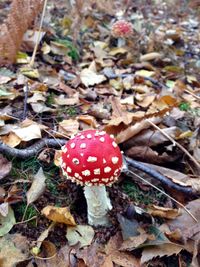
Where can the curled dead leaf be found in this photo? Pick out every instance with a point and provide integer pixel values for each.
(59, 215)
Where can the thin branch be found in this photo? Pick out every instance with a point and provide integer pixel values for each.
(31, 150)
(175, 143)
(39, 34)
(155, 187)
(158, 176)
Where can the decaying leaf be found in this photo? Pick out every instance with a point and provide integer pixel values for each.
(5, 167)
(163, 212)
(82, 234)
(160, 251)
(59, 215)
(7, 222)
(37, 188)
(13, 249)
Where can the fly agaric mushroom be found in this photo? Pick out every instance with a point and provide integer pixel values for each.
(93, 159)
(121, 29)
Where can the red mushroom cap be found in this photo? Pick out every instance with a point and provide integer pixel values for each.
(91, 158)
(122, 28)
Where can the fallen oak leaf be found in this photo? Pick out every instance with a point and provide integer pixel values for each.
(59, 215)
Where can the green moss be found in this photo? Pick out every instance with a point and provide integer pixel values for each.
(139, 196)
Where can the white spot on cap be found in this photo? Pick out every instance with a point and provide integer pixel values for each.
(96, 171)
(86, 173)
(112, 136)
(107, 169)
(95, 180)
(69, 169)
(76, 175)
(68, 156)
(82, 137)
(75, 161)
(89, 136)
(63, 165)
(88, 183)
(83, 145)
(105, 180)
(115, 160)
(91, 159)
(81, 154)
(104, 161)
(64, 149)
(102, 133)
(114, 144)
(72, 145)
(97, 133)
(102, 139)
(116, 172)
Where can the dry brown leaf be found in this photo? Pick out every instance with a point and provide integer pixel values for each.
(152, 138)
(37, 188)
(90, 120)
(163, 212)
(11, 139)
(68, 127)
(28, 133)
(186, 224)
(159, 251)
(59, 215)
(82, 234)
(16, 246)
(135, 129)
(5, 167)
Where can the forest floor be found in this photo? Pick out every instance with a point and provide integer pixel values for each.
(146, 93)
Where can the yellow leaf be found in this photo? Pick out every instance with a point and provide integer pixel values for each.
(145, 73)
(59, 215)
(118, 50)
(29, 72)
(150, 56)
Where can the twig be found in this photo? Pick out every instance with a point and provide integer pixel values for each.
(195, 96)
(32, 218)
(39, 33)
(31, 150)
(175, 143)
(158, 176)
(181, 205)
(26, 90)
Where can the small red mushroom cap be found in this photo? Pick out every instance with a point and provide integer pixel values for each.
(122, 29)
(92, 158)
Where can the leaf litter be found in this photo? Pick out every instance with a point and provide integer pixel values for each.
(81, 79)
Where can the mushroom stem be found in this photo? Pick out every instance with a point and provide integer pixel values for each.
(98, 204)
(121, 42)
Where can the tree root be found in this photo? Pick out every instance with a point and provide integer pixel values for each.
(57, 143)
(31, 150)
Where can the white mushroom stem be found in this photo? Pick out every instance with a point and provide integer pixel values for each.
(121, 42)
(98, 204)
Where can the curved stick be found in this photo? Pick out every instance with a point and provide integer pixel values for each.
(31, 150)
(158, 176)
